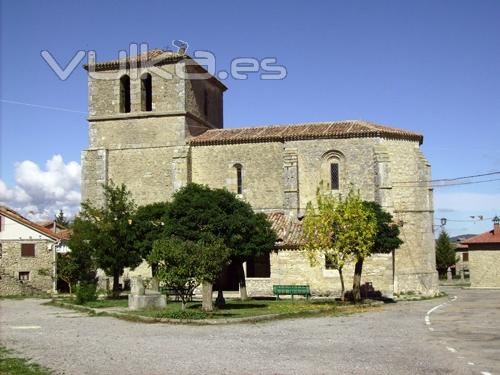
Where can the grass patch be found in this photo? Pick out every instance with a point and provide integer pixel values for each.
(250, 308)
(99, 304)
(13, 365)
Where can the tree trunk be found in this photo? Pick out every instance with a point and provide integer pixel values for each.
(356, 282)
(342, 285)
(116, 285)
(206, 290)
(242, 282)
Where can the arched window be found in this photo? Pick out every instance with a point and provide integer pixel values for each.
(125, 94)
(239, 178)
(146, 92)
(334, 176)
(331, 169)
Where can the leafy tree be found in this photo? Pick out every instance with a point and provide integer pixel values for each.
(67, 270)
(149, 224)
(62, 220)
(356, 228)
(108, 233)
(445, 253)
(320, 225)
(183, 265)
(197, 210)
(387, 234)
(78, 265)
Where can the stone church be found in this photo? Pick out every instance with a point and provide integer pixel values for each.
(156, 134)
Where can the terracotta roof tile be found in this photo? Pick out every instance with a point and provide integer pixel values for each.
(11, 214)
(288, 229)
(149, 58)
(490, 237)
(316, 130)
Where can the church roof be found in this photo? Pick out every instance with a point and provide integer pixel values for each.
(288, 229)
(151, 57)
(304, 131)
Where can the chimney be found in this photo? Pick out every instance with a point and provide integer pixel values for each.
(496, 226)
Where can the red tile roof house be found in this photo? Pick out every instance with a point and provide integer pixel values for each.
(27, 255)
(484, 258)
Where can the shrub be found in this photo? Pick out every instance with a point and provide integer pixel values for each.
(85, 292)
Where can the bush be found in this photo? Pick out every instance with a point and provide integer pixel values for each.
(85, 293)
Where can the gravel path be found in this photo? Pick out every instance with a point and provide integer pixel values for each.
(392, 340)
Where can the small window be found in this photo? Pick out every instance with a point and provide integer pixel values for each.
(1, 223)
(329, 263)
(259, 266)
(125, 94)
(28, 250)
(24, 276)
(465, 257)
(334, 176)
(239, 178)
(146, 93)
(205, 103)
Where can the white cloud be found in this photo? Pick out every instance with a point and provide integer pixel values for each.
(40, 194)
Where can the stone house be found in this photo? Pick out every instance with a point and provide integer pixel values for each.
(484, 258)
(27, 255)
(156, 134)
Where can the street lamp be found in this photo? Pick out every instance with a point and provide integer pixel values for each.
(443, 221)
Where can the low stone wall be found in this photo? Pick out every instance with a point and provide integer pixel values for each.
(484, 266)
(293, 267)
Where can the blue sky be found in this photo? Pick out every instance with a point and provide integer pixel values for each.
(428, 66)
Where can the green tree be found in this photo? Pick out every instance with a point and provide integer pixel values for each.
(387, 234)
(108, 233)
(62, 220)
(78, 265)
(197, 210)
(356, 229)
(149, 225)
(445, 253)
(183, 265)
(320, 228)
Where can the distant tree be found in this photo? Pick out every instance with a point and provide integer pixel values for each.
(183, 265)
(445, 253)
(107, 232)
(62, 220)
(149, 225)
(197, 210)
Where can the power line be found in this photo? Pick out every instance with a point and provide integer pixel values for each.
(42, 106)
(449, 179)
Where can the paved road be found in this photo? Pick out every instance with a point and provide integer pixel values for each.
(397, 339)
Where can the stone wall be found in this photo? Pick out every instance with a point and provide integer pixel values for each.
(40, 267)
(484, 267)
(407, 194)
(292, 267)
(262, 171)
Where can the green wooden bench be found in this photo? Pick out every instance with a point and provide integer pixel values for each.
(297, 290)
(172, 292)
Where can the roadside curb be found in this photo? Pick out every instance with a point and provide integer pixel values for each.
(202, 322)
